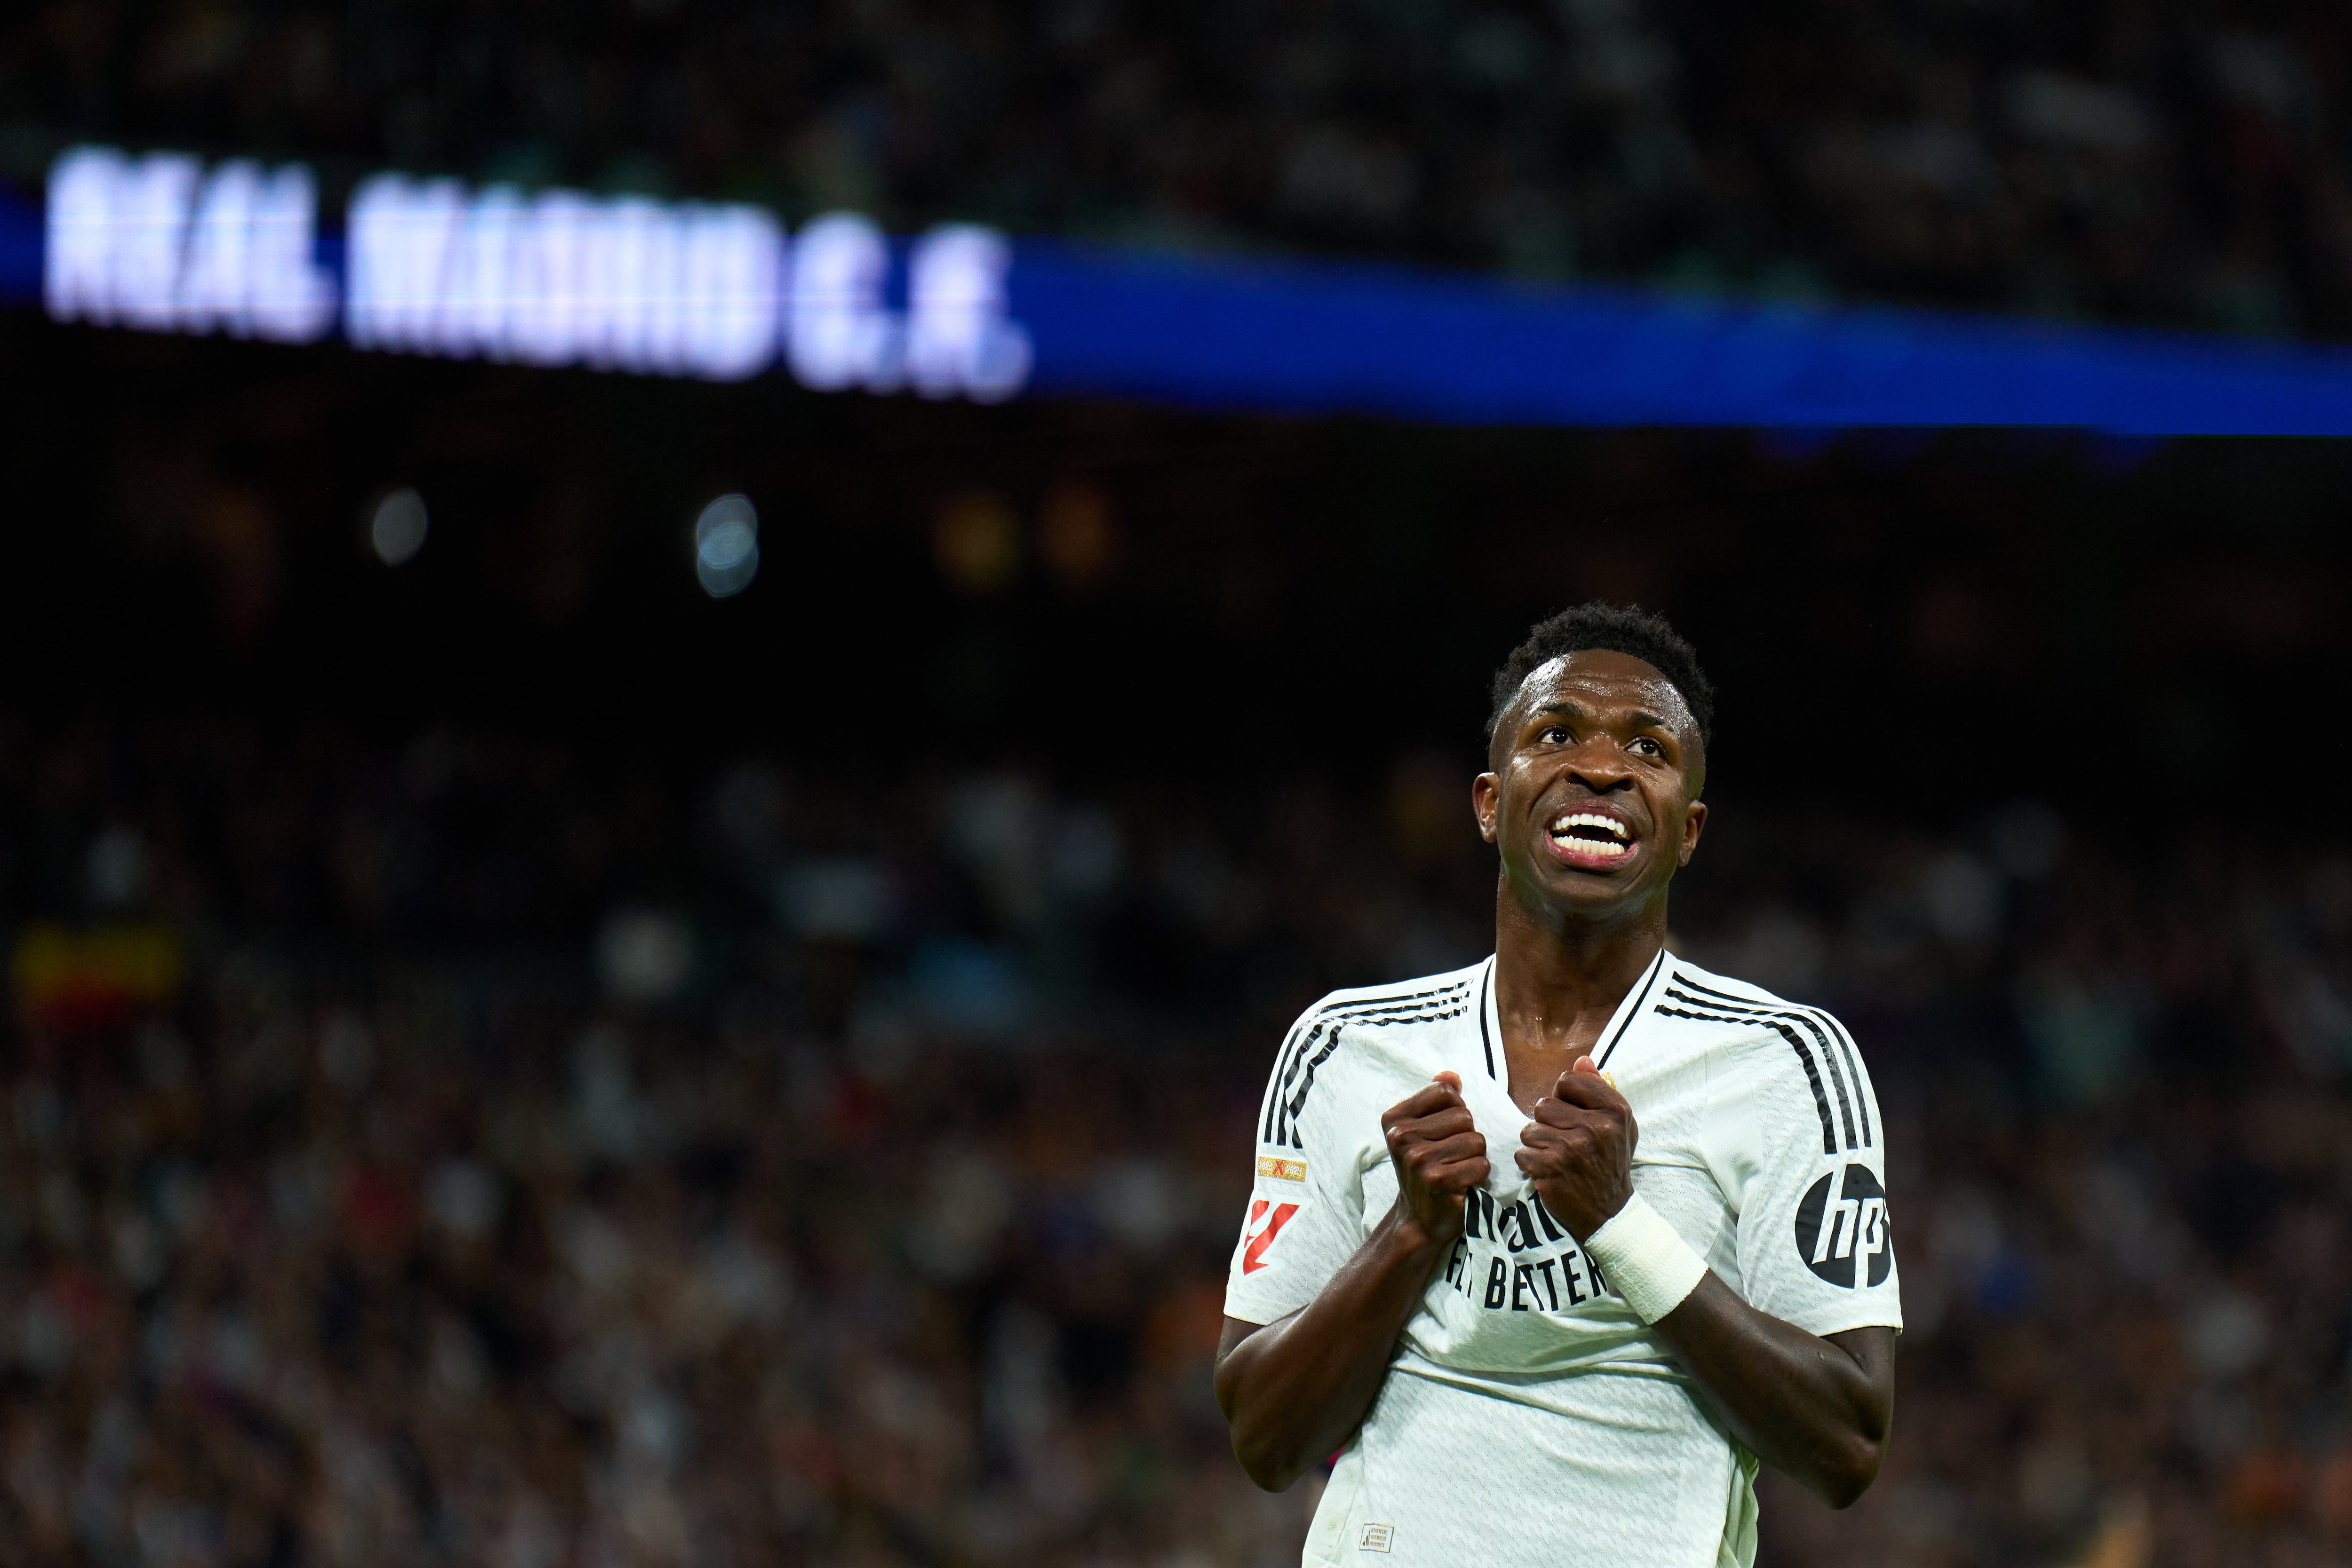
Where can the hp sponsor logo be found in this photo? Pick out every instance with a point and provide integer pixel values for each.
(1841, 1230)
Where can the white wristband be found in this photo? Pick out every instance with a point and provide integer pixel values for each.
(1646, 1260)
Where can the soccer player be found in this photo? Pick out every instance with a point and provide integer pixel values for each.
(1551, 1250)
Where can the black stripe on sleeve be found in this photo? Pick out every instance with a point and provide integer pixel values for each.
(1834, 1047)
(1657, 967)
(1304, 1033)
(1862, 1094)
(1290, 1110)
(1780, 1021)
(1280, 1131)
(1281, 1066)
(1302, 1036)
(1796, 1043)
(1832, 1040)
(1424, 1007)
(1287, 1125)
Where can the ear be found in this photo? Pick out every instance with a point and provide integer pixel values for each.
(1486, 803)
(1693, 824)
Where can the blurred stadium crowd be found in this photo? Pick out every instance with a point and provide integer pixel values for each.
(457, 1154)
(2182, 163)
(469, 1152)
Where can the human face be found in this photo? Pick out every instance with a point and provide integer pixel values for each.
(1591, 795)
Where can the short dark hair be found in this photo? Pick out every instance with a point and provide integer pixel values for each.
(1619, 628)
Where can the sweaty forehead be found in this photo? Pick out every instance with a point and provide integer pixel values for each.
(1603, 679)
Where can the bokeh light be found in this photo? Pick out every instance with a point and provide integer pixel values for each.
(397, 525)
(726, 546)
(976, 542)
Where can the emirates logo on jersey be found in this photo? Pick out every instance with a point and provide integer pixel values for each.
(1267, 1219)
(1842, 1231)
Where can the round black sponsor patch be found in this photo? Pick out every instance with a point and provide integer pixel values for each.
(1841, 1230)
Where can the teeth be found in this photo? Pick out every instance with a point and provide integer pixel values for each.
(1609, 825)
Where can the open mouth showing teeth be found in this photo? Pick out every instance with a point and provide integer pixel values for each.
(1591, 833)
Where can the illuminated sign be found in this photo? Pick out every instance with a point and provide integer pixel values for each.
(561, 279)
(557, 277)
(156, 242)
(164, 242)
(957, 335)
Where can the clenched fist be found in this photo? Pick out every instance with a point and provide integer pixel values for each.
(1579, 1151)
(1439, 1158)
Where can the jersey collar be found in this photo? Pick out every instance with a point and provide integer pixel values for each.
(1490, 1021)
(1636, 1003)
(1621, 1022)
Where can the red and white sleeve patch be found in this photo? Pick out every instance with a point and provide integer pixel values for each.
(1267, 1219)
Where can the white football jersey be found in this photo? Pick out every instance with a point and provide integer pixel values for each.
(1530, 1418)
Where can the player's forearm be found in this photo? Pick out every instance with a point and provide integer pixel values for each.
(1817, 1409)
(1295, 1391)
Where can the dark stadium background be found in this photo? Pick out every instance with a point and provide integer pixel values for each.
(516, 1061)
(1942, 594)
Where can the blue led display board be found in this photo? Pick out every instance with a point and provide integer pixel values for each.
(1459, 349)
(164, 242)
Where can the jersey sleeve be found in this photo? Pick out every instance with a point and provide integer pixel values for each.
(1803, 1157)
(1305, 1217)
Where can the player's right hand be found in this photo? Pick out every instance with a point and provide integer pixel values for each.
(1439, 1158)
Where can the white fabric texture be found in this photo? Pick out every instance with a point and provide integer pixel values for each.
(1527, 1405)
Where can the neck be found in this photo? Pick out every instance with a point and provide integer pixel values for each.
(1559, 977)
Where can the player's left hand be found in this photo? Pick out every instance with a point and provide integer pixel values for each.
(1579, 1150)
